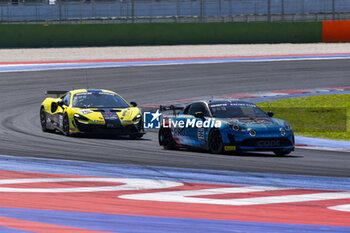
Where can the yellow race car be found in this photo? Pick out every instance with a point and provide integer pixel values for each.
(92, 111)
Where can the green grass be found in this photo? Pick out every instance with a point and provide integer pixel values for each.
(326, 116)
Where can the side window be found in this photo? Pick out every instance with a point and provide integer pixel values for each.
(248, 111)
(187, 109)
(198, 107)
(66, 99)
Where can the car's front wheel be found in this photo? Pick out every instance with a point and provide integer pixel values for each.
(43, 120)
(65, 126)
(215, 143)
(166, 139)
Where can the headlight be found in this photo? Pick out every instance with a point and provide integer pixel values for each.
(85, 111)
(137, 118)
(283, 132)
(236, 127)
(252, 133)
(80, 117)
(287, 126)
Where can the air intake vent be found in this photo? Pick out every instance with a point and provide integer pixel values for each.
(113, 110)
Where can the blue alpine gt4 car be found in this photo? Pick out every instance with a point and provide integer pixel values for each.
(225, 125)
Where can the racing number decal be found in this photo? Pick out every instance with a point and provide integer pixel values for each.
(200, 134)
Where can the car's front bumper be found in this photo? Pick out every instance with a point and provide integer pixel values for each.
(260, 143)
(246, 148)
(130, 129)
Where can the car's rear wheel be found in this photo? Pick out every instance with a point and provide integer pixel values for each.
(43, 120)
(65, 126)
(282, 153)
(215, 143)
(166, 139)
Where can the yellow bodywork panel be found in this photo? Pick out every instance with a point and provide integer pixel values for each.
(229, 148)
(90, 116)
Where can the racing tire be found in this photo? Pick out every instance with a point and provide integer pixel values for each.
(215, 144)
(43, 120)
(166, 139)
(136, 136)
(281, 153)
(65, 126)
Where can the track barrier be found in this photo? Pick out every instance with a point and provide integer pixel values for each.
(65, 35)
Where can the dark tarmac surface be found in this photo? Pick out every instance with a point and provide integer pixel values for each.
(21, 94)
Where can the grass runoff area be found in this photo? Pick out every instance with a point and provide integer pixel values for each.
(323, 116)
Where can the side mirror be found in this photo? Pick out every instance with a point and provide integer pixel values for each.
(199, 115)
(60, 103)
(134, 104)
(270, 114)
(54, 107)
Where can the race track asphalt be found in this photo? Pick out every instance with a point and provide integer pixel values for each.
(22, 92)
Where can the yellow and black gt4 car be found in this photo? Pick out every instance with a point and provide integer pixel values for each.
(92, 111)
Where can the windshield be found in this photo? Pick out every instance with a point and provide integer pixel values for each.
(98, 100)
(236, 110)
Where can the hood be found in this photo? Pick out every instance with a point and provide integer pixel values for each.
(258, 124)
(124, 114)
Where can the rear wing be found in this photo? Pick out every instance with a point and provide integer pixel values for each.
(58, 93)
(171, 108)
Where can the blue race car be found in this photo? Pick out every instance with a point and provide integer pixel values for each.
(225, 125)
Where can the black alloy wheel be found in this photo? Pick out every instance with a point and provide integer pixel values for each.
(215, 143)
(166, 139)
(43, 120)
(65, 126)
